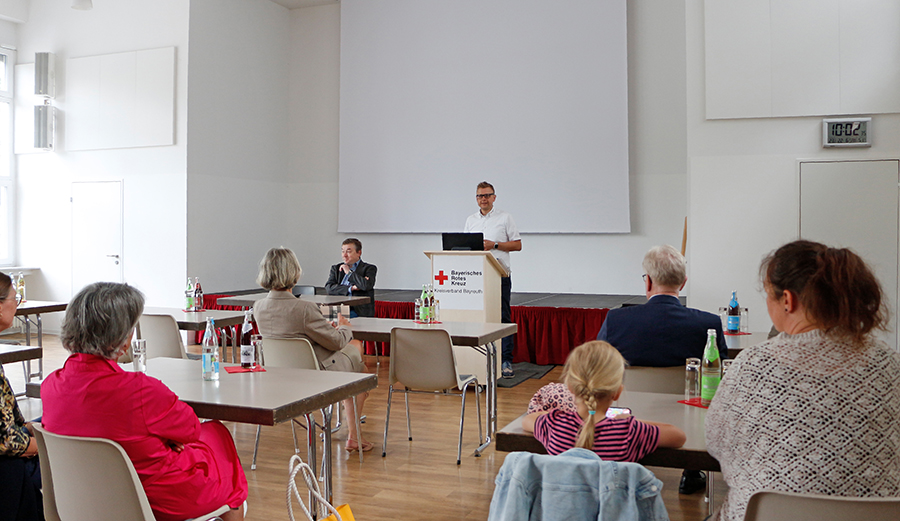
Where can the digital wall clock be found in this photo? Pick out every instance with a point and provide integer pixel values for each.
(847, 132)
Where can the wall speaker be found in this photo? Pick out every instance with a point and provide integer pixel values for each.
(44, 127)
(45, 74)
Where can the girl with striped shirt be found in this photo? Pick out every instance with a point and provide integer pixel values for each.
(594, 373)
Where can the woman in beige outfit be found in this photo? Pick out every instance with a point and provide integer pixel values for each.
(282, 315)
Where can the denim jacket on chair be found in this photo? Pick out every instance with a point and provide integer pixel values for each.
(575, 485)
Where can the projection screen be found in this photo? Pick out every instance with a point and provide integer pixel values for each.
(438, 95)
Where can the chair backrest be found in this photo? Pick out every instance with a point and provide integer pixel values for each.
(423, 359)
(92, 478)
(162, 335)
(303, 290)
(773, 505)
(50, 513)
(655, 379)
(289, 352)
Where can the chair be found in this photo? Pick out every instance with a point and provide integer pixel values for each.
(424, 361)
(303, 290)
(574, 486)
(94, 479)
(770, 504)
(299, 354)
(162, 335)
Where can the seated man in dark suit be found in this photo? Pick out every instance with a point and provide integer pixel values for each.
(663, 332)
(353, 277)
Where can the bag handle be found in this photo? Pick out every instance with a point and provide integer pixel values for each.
(323, 506)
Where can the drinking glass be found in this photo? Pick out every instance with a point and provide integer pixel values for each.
(745, 320)
(139, 355)
(691, 378)
(726, 364)
(257, 342)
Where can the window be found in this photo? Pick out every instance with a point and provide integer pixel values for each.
(7, 160)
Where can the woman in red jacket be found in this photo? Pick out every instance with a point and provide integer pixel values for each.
(187, 468)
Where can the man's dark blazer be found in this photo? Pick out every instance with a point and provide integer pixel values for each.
(660, 333)
(363, 277)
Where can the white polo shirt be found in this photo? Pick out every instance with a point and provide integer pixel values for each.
(497, 226)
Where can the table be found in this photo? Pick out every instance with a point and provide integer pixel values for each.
(648, 406)
(736, 343)
(266, 398)
(659, 407)
(321, 300)
(24, 312)
(196, 321)
(480, 336)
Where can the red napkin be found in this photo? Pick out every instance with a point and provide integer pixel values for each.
(739, 333)
(426, 323)
(694, 402)
(239, 369)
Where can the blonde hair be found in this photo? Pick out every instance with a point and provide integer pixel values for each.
(279, 270)
(594, 371)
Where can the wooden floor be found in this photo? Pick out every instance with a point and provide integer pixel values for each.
(418, 479)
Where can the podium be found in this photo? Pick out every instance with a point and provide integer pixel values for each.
(467, 284)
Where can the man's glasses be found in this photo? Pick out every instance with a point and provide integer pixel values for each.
(483, 196)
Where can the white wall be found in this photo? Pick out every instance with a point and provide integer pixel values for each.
(237, 158)
(547, 262)
(154, 178)
(743, 184)
(14, 10)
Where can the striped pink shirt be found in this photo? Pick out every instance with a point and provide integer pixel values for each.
(627, 439)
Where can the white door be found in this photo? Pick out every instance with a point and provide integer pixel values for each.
(96, 233)
(854, 204)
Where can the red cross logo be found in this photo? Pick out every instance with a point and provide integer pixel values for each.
(440, 277)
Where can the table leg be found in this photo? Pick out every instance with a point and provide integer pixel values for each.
(40, 327)
(491, 396)
(710, 488)
(27, 330)
(327, 461)
(311, 456)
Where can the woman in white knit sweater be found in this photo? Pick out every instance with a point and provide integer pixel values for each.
(815, 409)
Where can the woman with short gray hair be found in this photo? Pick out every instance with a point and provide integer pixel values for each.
(101, 318)
(176, 457)
(282, 315)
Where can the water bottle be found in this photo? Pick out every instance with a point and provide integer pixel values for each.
(248, 356)
(198, 295)
(210, 353)
(710, 369)
(734, 314)
(20, 287)
(189, 296)
(424, 312)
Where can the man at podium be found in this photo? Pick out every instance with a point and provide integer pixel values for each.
(501, 236)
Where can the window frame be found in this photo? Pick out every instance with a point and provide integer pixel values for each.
(9, 181)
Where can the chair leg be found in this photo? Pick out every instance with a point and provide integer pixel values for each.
(408, 424)
(462, 419)
(339, 424)
(387, 418)
(256, 447)
(478, 413)
(358, 431)
(294, 436)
